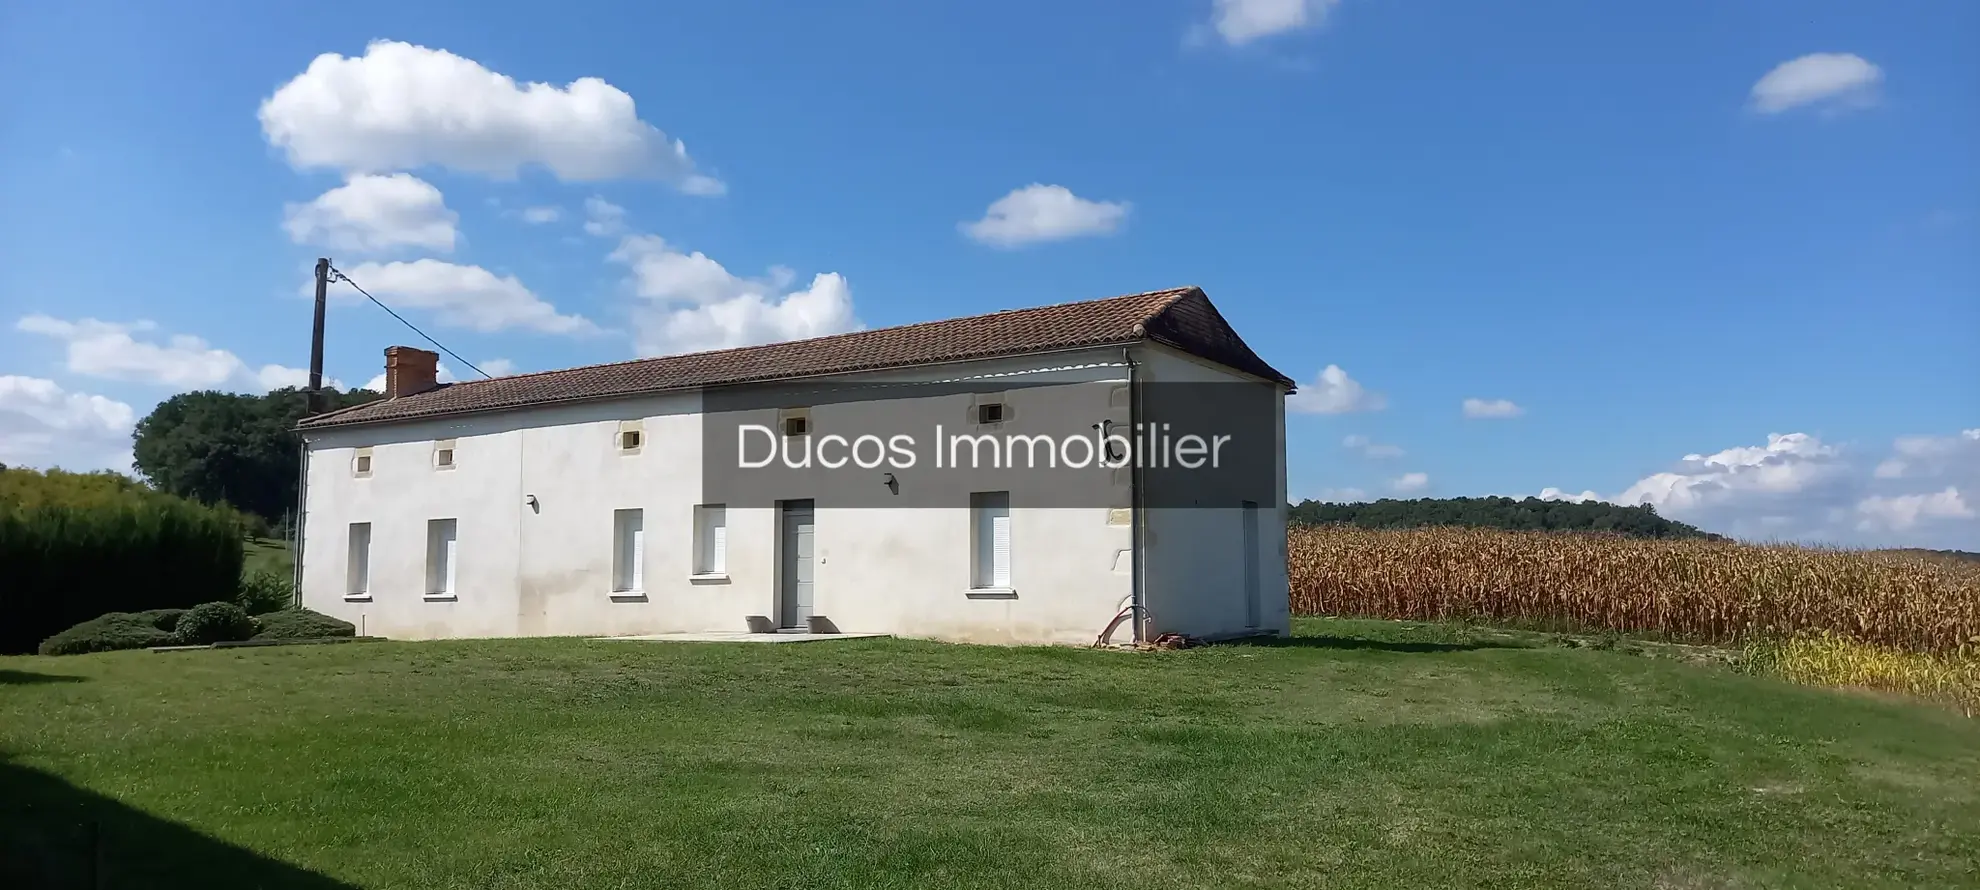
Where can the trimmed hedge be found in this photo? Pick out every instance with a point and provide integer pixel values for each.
(213, 623)
(301, 624)
(206, 623)
(117, 630)
(76, 546)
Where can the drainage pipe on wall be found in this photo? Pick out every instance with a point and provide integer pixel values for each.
(296, 527)
(1138, 582)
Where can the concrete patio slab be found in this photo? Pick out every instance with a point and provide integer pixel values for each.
(736, 637)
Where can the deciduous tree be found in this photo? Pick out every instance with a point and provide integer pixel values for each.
(230, 448)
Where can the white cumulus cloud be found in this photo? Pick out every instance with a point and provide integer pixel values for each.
(1798, 487)
(121, 351)
(371, 213)
(1039, 212)
(1916, 457)
(1491, 409)
(497, 367)
(1788, 465)
(1833, 80)
(1334, 392)
(401, 107)
(468, 297)
(1371, 448)
(603, 218)
(1410, 482)
(44, 425)
(1238, 22)
(693, 303)
(1902, 512)
(272, 377)
(540, 215)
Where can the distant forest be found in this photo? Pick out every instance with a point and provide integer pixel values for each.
(1959, 555)
(1529, 514)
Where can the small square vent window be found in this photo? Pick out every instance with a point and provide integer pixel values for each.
(443, 454)
(797, 426)
(629, 440)
(361, 465)
(991, 413)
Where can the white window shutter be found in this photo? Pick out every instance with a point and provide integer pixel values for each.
(358, 567)
(1000, 547)
(628, 550)
(990, 522)
(718, 540)
(985, 553)
(636, 553)
(442, 555)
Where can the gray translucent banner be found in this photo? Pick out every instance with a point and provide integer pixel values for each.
(1077, 444)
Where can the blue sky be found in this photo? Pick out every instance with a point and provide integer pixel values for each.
(1743, 233)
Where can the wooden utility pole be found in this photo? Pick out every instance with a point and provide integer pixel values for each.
(316, 337)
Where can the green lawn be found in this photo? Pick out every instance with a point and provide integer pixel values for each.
(1360, 754)
(268, 555)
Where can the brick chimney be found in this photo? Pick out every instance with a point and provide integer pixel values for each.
(409, 370)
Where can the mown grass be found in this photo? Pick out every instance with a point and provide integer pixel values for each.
(1357, 754)
(269, 555)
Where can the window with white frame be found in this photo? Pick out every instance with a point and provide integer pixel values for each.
(442, 556)
(361, 463)
(711, 539)
(990, 531)
(443, 454)
(632, 435)
(357, 563)
(628, 551)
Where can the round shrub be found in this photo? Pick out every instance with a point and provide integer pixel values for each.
(115, 630)
(301, 624)
(213, 623)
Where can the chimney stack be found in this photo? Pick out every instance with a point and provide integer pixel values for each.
(409, 371)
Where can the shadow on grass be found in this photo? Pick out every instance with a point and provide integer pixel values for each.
(1364, 643)
(26, 678)
(55, 836)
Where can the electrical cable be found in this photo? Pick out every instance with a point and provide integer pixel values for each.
(337, 274)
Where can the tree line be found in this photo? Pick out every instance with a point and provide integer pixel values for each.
(231, 448)
(1530, 514)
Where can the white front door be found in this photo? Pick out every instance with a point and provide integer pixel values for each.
(794, 596)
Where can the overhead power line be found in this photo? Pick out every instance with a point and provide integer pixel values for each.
(337, 274)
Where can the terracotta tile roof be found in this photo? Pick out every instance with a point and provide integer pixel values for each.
(1180, 317)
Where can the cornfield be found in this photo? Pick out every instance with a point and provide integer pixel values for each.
(1680, 589)
(1824, 659)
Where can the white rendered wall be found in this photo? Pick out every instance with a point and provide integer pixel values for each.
(1194, 557)
(547, 570)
